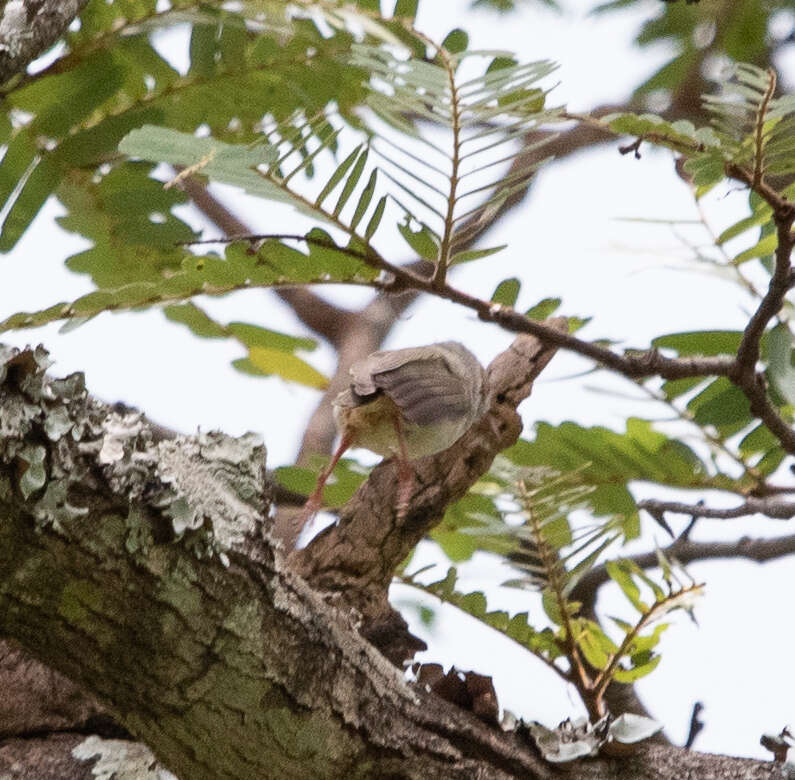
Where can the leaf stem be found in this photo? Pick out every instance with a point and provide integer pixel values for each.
(759, 128)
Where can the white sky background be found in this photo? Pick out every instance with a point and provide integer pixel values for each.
(566, 241)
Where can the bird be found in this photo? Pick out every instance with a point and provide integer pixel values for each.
(406, 404)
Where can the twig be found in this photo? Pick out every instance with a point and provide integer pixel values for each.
(778, 510)
(696, 725)
(686, 551)
(759, 127)
(320, 316)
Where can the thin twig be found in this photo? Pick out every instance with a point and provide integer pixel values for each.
(759, 127)
(696, 725)
(685, 551)
(320, 316)
(779, 510)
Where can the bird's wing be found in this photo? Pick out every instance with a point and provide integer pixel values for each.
(418, 380)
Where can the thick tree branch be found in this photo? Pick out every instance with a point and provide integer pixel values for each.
(140, 571)
(28, 28)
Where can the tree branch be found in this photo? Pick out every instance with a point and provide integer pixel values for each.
(633, 364)
(744, 372)
(686, 551)
(28, 28)
(320, 316)
(778, 510)
(356, 558)
(141, 570)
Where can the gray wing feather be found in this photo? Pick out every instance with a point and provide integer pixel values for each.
(420, 380)
(425, 390)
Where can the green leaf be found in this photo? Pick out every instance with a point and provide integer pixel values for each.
(38, 186)
(269, 361)
(594, 644)
(364, 201)
(375, 219)
(351, 182)
(337, 176)
(196, 319)
(645, 642)
(474, 254)
(701, 342)
(620, 573)
(406, 9)
(456, 41)
(761, 214)
(707, 170)
(642, 665)
(779, 348)
(296, 478)
(422, 241)
(257, 336)
(543, 309)
(507, 292)
(673, 388)
(551, 606)
(458, 533)
(765, 246)
(721, 404)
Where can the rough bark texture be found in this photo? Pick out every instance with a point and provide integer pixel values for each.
(142, 570)
(28, 28)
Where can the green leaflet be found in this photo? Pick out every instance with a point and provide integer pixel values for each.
(112, 80)
(269, 352)
(607, 461)
(272, 264)
(269, 361)
(517, 627)
(507, 292)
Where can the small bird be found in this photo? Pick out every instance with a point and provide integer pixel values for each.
(407, 403)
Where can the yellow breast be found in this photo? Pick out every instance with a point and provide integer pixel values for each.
(372, 426)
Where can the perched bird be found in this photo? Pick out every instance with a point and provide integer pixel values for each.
(407, 403)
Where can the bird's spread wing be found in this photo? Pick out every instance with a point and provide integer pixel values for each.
(418, 380)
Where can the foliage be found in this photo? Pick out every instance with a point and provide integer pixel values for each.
(553, 552)
(700, 34)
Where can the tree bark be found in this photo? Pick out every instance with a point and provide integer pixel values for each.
(143, 570)
(28, 28)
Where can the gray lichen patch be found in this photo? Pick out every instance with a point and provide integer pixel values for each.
(217, 478)
(34, 474)
(54, 509)
(66, 451)
(120, 759)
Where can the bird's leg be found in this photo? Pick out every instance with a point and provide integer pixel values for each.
(315, 501)
(405, 472)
